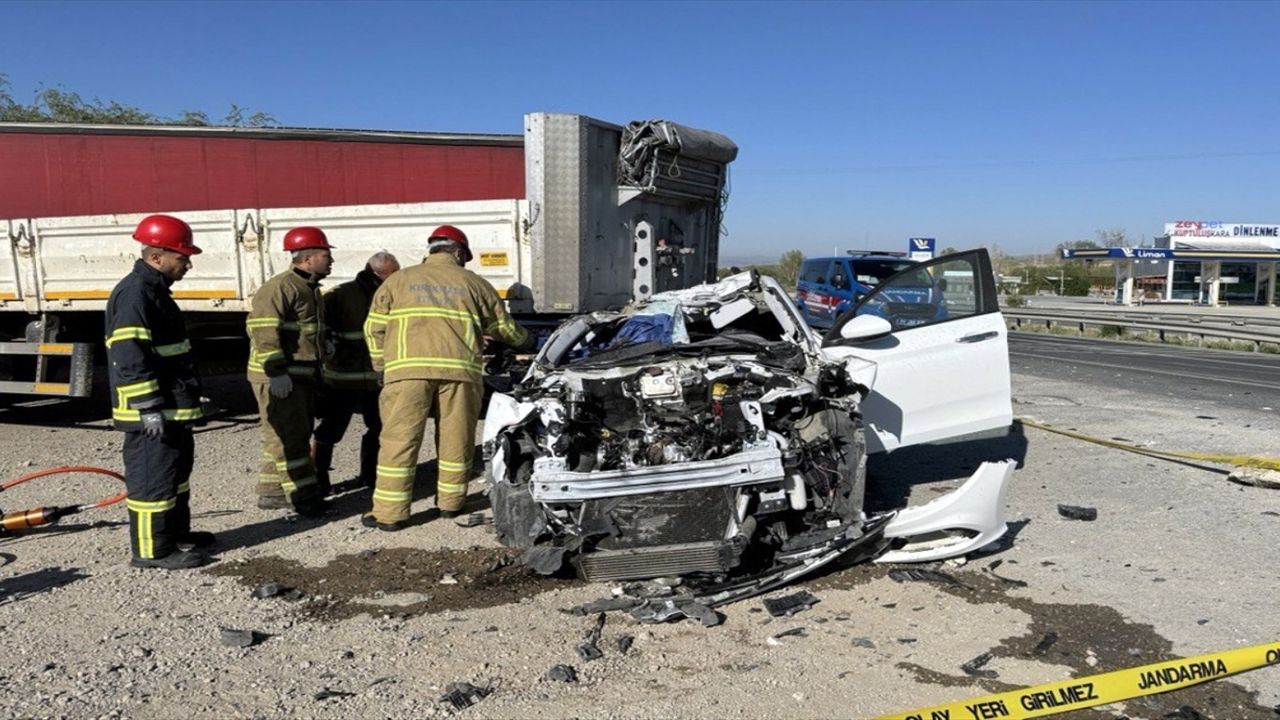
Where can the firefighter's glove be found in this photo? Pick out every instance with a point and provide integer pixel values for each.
(153, 424)
(281, 386)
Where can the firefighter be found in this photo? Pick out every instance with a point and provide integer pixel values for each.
(425, 333)
(349, 382)
(156, 392)
(286, 324)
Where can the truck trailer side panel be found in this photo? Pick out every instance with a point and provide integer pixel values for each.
(54, 175)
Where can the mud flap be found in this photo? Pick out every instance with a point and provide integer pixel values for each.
(957, 523)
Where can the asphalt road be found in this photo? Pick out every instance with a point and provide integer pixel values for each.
(1244, 380)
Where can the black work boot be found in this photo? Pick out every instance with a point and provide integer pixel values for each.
(370, 521)
(311, 507)
(322, 454)
(176, 560)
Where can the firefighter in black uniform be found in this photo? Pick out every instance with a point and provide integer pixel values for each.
(156, 395)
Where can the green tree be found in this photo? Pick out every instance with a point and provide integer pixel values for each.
(788, 268)
(59, 105)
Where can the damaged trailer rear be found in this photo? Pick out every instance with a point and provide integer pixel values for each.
(708, 434)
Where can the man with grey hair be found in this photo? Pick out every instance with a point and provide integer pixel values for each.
(286, 352)
(349, 382)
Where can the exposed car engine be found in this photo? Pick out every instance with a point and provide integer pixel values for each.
(682, 459)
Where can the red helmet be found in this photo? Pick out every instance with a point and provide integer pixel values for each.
(166, 232)
(451, 233)
(306, 238)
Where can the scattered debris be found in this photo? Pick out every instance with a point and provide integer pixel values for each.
(973, 668)
(864, 642)
(605, 605)
(562, 673)
(1076, 512)
(462, 695)
(326, 693)
(272, 589)
(268, 590)
(990, 570)
(544, 559)
(923, 575)
(789, 605)
(906, 640)
(589, 651)
(366, 554)
(793, 632)
(625, 642)
(475, 519)
(1045, 643)
(1256, 477)
(241, 638)
(589, 648)
(448, 579)
(500, 563)
(663, 610)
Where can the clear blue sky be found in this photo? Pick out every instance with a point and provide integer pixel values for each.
(1015, 124)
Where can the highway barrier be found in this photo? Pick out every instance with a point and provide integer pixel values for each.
(1256, 331)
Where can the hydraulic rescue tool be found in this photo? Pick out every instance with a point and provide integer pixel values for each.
(19, 520)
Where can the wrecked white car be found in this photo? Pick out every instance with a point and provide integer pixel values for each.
(710, 434)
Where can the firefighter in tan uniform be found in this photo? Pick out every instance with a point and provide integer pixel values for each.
(350, 384)
(286, 324)
(425, 334)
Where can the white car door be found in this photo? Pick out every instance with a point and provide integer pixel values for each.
(942, 360)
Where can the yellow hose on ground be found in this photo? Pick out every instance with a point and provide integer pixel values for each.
(1264, 462)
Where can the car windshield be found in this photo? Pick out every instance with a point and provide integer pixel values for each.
(873, 272)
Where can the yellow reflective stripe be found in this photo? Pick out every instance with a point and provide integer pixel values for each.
(184, 488)
(139, 388)
(270, 354)
(292, 464)
(436, 312)
(146, 548)
(293, 485)
(392, 471)
(129, 332)
(179, 414)
(424, 362)
(174, 348)
(306, 328)
(450, 466)
(150, 506)
(447, 487)
(252, 323)
(373, 320)
(393, 495)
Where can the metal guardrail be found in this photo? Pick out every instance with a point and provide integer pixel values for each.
(1256, 334)
(1158, 316)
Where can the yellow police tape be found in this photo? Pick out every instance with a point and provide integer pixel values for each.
(1266, 463)
(1079, 693)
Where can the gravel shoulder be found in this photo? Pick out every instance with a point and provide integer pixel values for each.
(1179, 562)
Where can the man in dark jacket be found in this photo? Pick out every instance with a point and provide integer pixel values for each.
(156, 394)
(349, 382)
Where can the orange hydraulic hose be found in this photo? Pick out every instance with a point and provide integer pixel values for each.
(35, 517)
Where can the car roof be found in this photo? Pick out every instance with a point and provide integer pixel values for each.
(855, 258)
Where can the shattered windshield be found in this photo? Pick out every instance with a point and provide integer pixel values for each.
(669, 327)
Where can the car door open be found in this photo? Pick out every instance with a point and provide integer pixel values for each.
(942, 369)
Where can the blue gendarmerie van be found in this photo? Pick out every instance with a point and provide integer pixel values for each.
(828, 287)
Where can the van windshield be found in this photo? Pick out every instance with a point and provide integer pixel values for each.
(873, 272)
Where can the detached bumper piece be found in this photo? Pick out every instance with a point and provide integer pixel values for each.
(955, 524)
